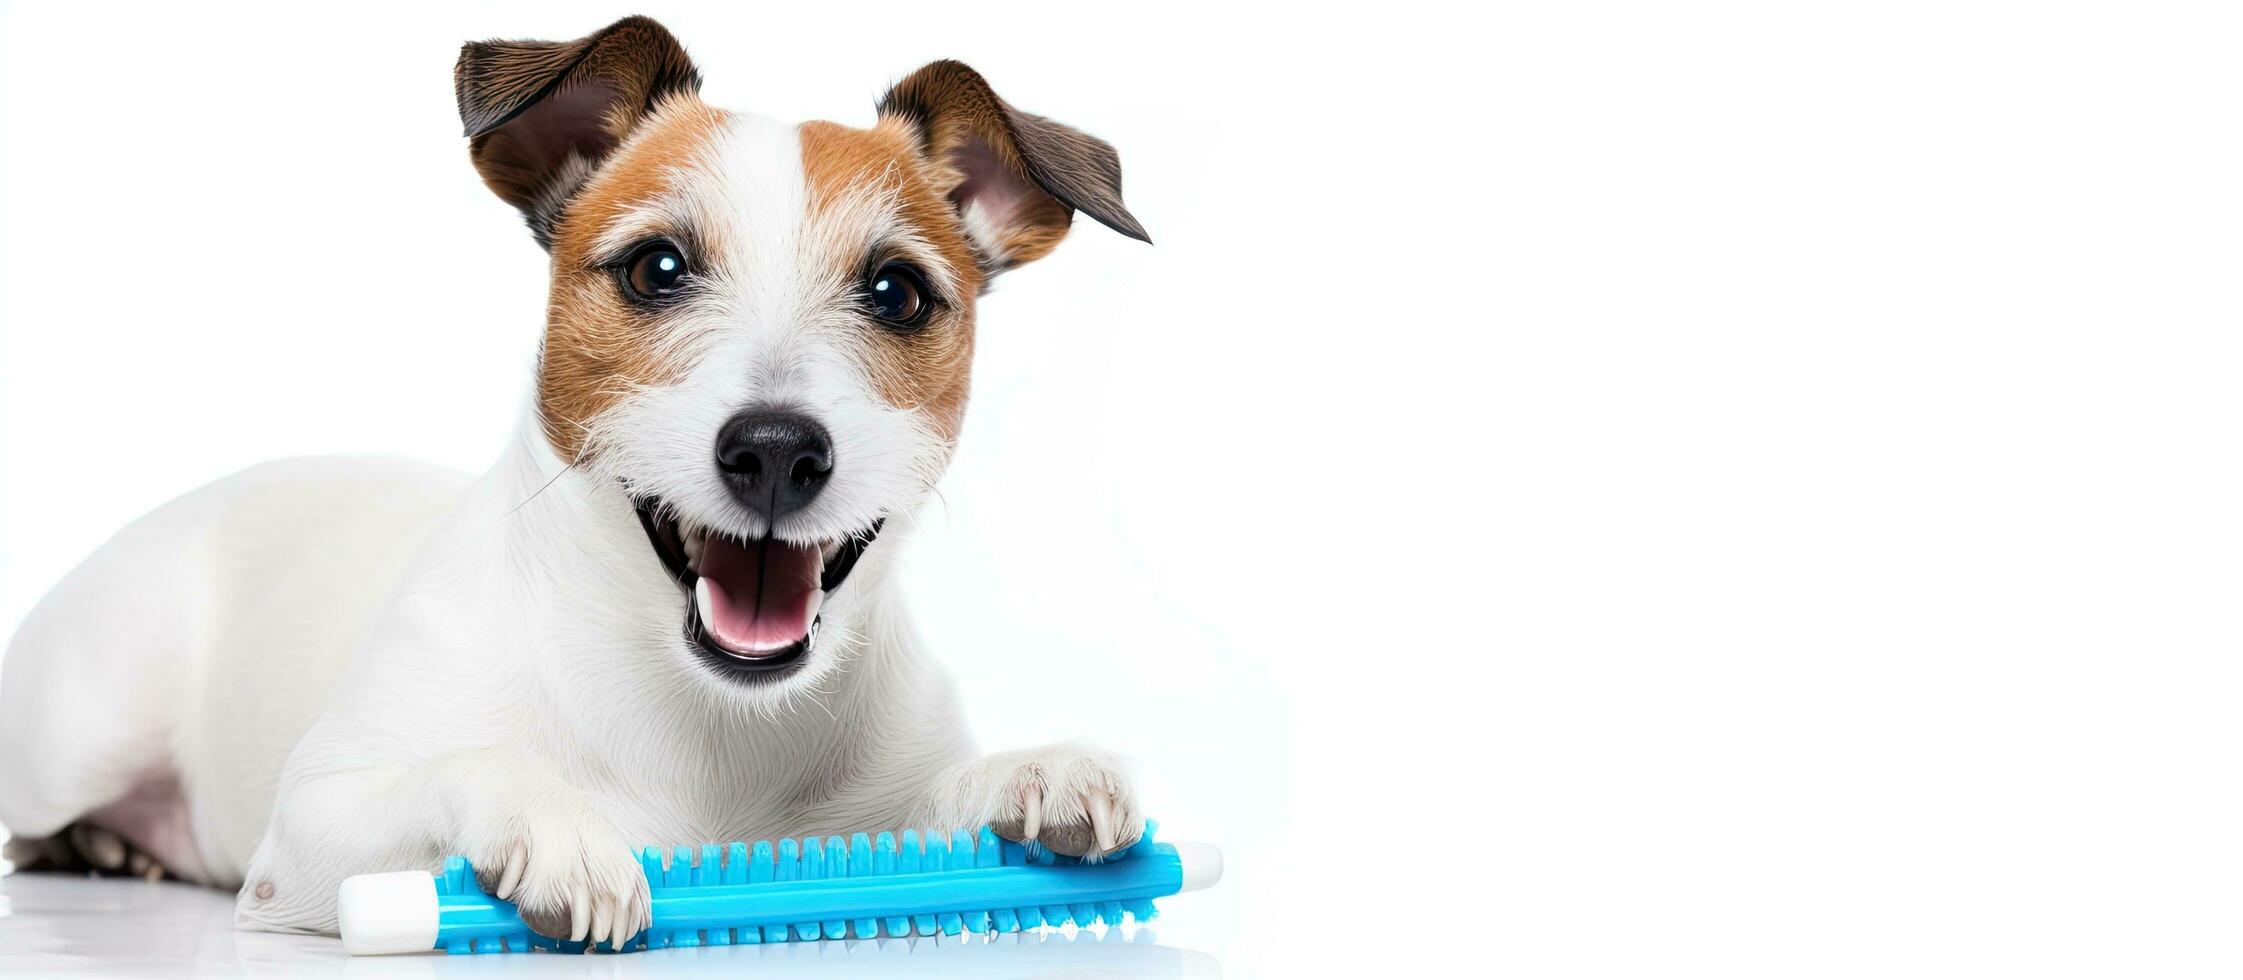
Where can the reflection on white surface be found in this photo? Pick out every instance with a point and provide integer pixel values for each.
(53, 925)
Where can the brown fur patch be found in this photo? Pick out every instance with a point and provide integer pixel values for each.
(598, 346)
(928, 370)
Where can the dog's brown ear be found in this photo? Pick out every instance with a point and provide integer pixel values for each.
(542, 114)
(1016, 178)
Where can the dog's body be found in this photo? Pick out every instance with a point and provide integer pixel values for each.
(318, 668)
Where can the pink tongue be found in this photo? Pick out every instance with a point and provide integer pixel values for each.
(761, 595)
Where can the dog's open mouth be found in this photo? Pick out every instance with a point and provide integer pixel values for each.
(754, 604)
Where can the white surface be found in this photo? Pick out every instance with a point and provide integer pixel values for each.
(1665, 485)
(393, 912)
(53, 926)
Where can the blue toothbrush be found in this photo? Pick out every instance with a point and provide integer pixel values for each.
(738, 894)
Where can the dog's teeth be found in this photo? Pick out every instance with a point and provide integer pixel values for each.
(817, 598)
(692, 548)
(702, 602)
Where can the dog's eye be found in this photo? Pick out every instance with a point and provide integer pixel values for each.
(655, 271)
(899, 296)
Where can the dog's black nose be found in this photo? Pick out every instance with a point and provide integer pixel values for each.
(774, 462)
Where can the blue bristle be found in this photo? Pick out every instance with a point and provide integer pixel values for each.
(650, 861)
(736, 863)
(884, 854)
(1111, 912)
(760, 863)
(1005, 920)
(1030, 918)
(1142, 909)
(681, 868)
(759, 869)
(787, 867)
(989, 852)
(912, 858)
(957, 852)
(714, 870)
(813, 867)
(938, 848)
(887, 861)
(1055, 915)
(457, 874)
(837, 866)
(679, 874)
(861, 865)
(962, 855)
(1083, 913)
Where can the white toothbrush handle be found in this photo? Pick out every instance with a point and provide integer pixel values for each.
(388, 913)
(1203, 864)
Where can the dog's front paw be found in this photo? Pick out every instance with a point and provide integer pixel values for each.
(1070, 799)
(567, 871)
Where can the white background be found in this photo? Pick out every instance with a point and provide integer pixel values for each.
(1575, 489)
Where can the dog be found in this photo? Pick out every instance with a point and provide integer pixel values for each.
(666, 614)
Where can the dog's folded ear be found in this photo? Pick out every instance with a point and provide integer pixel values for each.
(542, 114)
(1016, 178)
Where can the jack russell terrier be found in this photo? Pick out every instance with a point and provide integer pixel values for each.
(667, 614)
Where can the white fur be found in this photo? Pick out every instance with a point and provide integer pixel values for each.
(986, 231)
(495, 667)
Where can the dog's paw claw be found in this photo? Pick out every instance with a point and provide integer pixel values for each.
(574, 883)
(1069, 801)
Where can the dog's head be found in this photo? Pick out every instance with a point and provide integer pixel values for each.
(762, 334)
